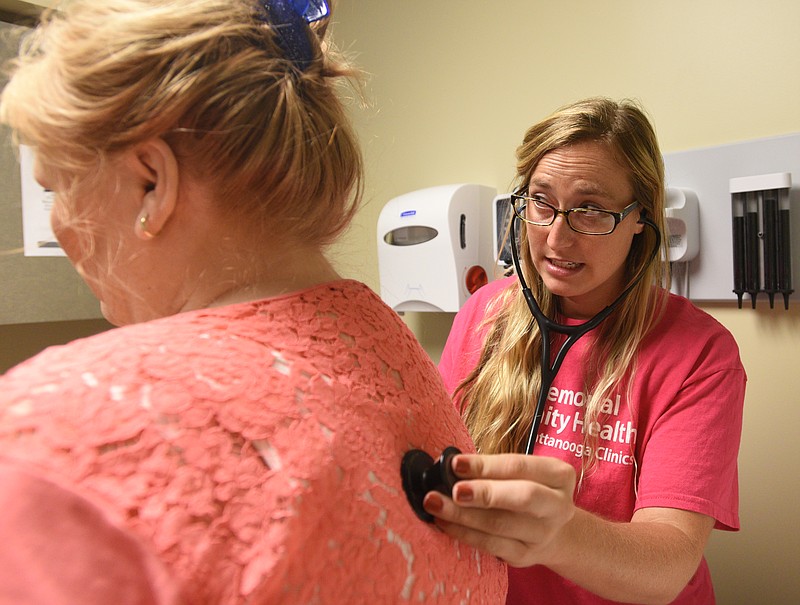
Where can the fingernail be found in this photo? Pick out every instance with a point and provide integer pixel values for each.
(461, 465)
(433, 503)
(463, 493)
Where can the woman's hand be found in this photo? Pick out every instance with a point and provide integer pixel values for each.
(520, 508)
(511, 505)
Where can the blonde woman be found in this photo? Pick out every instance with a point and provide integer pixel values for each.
(635, 456)
(238, 439)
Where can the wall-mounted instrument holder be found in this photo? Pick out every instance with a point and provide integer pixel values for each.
(745, 196)
(762, 251)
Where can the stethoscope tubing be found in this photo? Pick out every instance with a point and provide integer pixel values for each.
(573, 333)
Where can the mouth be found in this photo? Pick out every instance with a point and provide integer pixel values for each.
(564, 264)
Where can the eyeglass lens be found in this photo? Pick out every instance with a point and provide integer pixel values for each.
(585, 220)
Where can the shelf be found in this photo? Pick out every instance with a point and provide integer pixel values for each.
(23, 8)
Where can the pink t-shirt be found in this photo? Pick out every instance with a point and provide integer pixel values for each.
(252, 450)
(683, 435)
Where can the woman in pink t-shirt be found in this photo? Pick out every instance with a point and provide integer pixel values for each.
(239, 437)
(635, 453)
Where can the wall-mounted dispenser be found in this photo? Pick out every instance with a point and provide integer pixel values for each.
(762, 256)
(435, 247)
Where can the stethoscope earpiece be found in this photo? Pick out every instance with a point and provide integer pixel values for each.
(421, 474)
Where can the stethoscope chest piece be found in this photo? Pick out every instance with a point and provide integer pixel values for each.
(421, 474)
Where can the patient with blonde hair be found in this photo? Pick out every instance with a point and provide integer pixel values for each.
(238, 438)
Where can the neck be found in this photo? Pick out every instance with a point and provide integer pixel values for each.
(272, 286)
(269, 273)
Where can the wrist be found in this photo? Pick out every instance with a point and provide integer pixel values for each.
(563, 549)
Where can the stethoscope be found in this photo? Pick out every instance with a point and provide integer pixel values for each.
(573, 333)
(420, 473)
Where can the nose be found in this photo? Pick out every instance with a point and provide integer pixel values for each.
(561, 234)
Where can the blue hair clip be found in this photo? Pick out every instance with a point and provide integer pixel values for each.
(290, 18)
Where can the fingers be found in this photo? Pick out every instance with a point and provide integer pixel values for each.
(547, 471)
(512, 506)
(517, 496)
(520, 540)
(497, 506)
(509, 549)
(534, 485)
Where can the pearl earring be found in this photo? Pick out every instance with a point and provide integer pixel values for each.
(143, 226)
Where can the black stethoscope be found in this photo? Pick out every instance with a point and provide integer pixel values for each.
(420, 473)
(547, 326)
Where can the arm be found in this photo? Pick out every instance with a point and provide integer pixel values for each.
(60, 549)
(649, 560)
(520, 508)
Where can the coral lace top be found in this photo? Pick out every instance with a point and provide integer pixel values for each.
(244, 454)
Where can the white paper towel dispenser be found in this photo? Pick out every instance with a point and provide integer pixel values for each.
(435, 247)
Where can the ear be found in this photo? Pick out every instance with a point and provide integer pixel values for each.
(158, 175)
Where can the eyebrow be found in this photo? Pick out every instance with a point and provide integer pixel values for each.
(583, 187)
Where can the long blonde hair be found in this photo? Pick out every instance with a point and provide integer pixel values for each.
(210, 77)
(498, 397)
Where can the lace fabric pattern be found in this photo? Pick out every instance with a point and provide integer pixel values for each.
(257, 448)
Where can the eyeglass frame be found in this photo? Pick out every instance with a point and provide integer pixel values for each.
(617, 216)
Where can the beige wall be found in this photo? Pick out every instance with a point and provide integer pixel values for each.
(453, 85)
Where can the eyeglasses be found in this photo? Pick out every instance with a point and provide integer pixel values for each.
(589, 221)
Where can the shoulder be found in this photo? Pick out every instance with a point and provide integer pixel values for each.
(483, 296)
(324, 305)
(82, 363)
(683, 319)
(691, 335)
(345, 319)
(202, 354)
